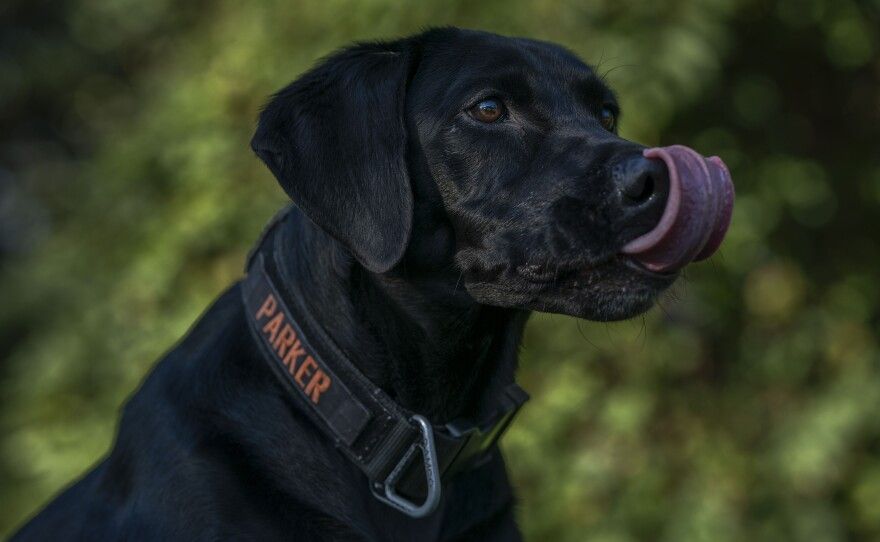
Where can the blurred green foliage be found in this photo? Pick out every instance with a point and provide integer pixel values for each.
(745, 407)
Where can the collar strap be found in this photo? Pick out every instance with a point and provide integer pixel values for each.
(382, 438)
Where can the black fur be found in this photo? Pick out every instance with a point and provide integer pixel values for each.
(334, 137)
(425, 238)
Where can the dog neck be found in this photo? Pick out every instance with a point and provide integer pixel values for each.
(418, 336)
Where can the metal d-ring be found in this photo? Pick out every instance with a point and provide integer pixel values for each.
(432, 475)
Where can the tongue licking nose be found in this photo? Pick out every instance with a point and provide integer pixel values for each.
(697, 214)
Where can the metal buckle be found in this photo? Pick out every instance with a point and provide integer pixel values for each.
(481, 437)
(432, 475)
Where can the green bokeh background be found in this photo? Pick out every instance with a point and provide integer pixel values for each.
(745, 407)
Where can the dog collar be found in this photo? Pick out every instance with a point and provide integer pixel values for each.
(378, 435)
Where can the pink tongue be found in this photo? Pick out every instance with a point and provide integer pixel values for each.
(697, 214)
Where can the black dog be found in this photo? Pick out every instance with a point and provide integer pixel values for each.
(446, 185)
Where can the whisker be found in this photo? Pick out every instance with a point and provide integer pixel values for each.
(584, 336)
(608, 334)
(460, 275)
(604, 76)
(644, 333)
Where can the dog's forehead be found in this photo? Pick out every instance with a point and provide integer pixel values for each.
(467, 61)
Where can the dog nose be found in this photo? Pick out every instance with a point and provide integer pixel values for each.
(644, 186)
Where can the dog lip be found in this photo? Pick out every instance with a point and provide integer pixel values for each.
(640, 268)
(542, 276)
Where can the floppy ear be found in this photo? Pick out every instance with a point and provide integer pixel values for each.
(336, 141)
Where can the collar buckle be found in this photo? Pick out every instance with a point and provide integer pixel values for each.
(387, 491)
(479, 437)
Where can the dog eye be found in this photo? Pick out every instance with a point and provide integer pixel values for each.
(488, 110)
(608, 118)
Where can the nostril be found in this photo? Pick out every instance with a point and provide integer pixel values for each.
(640, 189)
(643, 189)
(642, 182)
(642, 186)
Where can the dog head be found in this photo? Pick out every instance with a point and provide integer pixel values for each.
(495, 162)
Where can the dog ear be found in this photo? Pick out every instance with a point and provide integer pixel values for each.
(336, 141)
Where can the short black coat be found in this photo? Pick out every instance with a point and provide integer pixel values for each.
(422, 235)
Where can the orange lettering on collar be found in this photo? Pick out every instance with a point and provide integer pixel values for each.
(295, 351)
(273, 325)
(285, 340)
(318, 385)
(305, 370)
(268, 308)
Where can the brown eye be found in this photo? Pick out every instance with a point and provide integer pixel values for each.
(488, 110)
(608, 118)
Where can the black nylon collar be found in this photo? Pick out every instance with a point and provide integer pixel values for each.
(372, 430)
